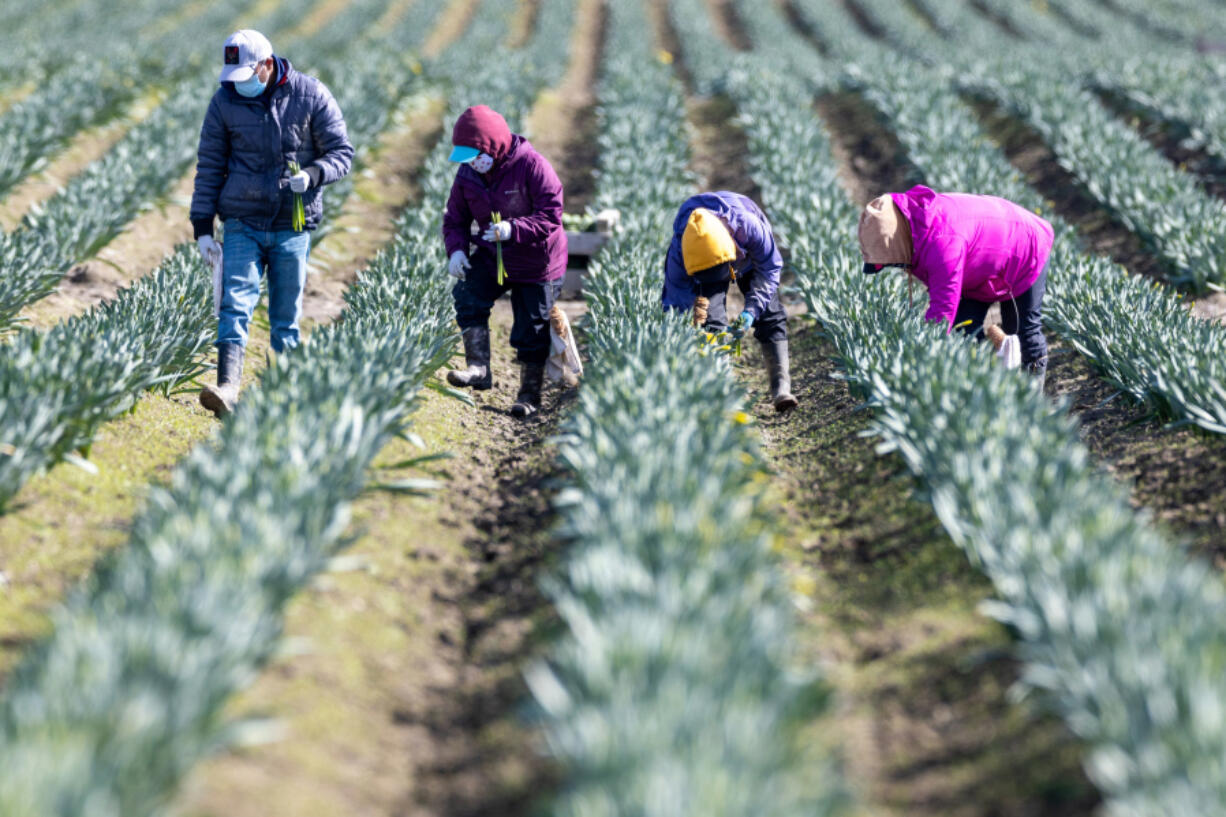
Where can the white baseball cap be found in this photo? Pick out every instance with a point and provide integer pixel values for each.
(244, 50)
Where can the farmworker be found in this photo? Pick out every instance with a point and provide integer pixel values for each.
(971, 252)
(723, 237)
(513, 194)
(272, 137)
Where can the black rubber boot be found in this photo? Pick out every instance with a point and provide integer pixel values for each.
(531, 380)
(477, 375)
(775, 353)
(220, 399)
(1038, 372)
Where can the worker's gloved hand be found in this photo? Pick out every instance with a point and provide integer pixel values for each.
(498, 232)
(741, 325)
(459, 264)
(300, 181)
(210, 250)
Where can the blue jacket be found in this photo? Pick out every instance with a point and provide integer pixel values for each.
(758, 262)
(246, 144)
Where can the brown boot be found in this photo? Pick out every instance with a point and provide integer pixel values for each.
(220, 399)
(531, 381)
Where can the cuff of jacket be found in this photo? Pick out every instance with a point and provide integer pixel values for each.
(316, 175)
(202, 226)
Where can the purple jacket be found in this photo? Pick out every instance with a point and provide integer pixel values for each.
(524, 189)
(978, 247)
(757, 257)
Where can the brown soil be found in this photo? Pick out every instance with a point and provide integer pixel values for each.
(82, 150)
(718, 145)
(392, 15)
(1179, 475)
(728, 24)
(998, 18)
(921, 11)
(451, 23)
(407, 704)
(923, 680)
(319, 16)
(1063, 193)
(801, 24)
(368, 220)
(870, 159)
(563, 121)
(525, 23)
(865, 21)
(1211, 307)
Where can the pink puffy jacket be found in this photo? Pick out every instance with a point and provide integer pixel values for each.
(978, 247)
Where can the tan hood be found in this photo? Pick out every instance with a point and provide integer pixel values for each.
(885, 236)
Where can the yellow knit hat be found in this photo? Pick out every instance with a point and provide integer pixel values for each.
(706, 242)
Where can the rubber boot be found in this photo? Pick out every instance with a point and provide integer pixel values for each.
(775, 353)
(220, 399)
(1038, 373)
(477, 375)
(531, 380)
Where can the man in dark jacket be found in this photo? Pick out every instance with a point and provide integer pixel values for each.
(264, 117)
(501, 173)
(723, 237)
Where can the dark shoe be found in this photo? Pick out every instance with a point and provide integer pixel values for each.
(1038, 372)
(477, 375)
(220, 399)
(776, 355)
(531, 379)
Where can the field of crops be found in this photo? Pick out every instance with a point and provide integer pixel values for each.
(931, 589)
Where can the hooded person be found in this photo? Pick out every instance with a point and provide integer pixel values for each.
(723, 237)
(971, 252)
(270, 136)
(501, 173)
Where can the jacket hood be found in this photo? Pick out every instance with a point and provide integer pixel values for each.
(884, 233)
(483, 128)
(916, 206)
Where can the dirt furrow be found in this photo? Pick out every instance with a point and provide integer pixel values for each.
(563, 121)
(999, 19)
(524, 24)
(451, 23)
(865, 21)
(406, 698)
(804, 27)
(82, 150)
(728, 24)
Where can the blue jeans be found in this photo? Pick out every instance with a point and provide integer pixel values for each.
(247, 255)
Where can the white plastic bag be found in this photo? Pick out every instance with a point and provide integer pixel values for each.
(1010, 352)
(564, 364)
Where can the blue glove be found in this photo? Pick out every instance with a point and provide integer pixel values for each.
(742, 324)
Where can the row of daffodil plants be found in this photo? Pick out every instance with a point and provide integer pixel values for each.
(107, 715)
(674, 690)
(1122, 633)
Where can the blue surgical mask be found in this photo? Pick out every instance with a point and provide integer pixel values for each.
(251, 87)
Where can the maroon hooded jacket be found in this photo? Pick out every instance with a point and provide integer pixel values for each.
(521, 186)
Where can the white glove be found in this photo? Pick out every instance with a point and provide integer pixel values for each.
(458, 264)
(210, 250)
(300, 181)
(498, 232)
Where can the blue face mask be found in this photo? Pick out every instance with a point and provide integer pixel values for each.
(251, 87)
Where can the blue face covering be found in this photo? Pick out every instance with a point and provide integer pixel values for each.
(251, 87)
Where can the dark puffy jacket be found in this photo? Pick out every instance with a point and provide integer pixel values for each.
(757, 257)
(522, 187)
(246, 144)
